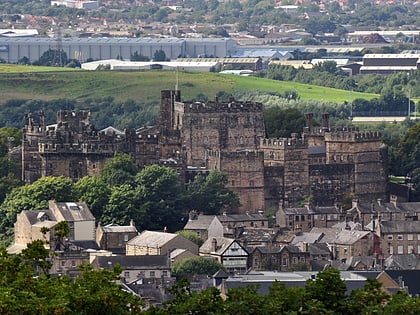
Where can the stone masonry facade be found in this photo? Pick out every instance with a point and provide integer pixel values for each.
(323, 163)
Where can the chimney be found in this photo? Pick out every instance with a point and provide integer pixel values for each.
(309, 117)
(393, 200)
(213, 245)
(193, 215)
(325, 121)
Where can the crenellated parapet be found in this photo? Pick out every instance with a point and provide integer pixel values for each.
(283, 143)
(223, 107)
(246, 154)
(353, 136)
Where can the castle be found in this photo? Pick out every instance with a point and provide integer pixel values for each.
(323, 163)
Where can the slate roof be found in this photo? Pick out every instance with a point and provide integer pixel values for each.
(152, 239)
(390, 227)
(115, 228)
(133, 262)
(241, 217)
(202, 222)
(307, 237)
(74, 211)
(409, 277)
(222, 244)
(35, 216)
(404, 262)
(343, 237)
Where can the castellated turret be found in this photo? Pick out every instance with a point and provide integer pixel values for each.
(322, 163)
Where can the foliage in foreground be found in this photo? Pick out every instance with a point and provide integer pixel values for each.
(25, 291)
(324, 295)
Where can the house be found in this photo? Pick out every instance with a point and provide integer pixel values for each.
(158, 243)
(114, 237)
(206, 226)
(306, 217)
(285, 258)
(231, 222)
(136, 267)
(232, 255)
(400, 237)
(345, 244)
(402, 262)
(178, 255)
(39, 224)
(385, 211)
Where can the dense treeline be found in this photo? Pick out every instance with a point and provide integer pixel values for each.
(153, 196)
(327, 294)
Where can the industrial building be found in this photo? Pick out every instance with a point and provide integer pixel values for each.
(84, 49)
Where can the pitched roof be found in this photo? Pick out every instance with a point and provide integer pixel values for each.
(115, 228)
(152, 238)
(343, 237)
(133, 262)
(400, 227)
(241, 217)
(72, 211)
(202, 222)
(222, 243)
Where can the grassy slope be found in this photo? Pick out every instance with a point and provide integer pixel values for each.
(27, 82)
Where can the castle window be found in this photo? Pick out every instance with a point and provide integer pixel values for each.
(233, 183)
(205, 140)
(241, 140)
(251, 183)
(297, 218)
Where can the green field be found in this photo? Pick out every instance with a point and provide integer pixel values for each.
(46, 83)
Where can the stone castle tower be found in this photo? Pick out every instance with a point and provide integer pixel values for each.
(322, 163)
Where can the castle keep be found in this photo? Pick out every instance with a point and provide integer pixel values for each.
(323, 163)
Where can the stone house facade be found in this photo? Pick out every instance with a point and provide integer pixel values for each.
(229, 136)
(400, 237)
(114, 237)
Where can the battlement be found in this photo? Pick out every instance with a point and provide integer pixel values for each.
(284, 143)
(359, 136)
(85, 148)
(226, 107)
(246, 154)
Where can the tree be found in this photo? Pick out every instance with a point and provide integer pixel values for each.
(210, 195)
(26, 290)
(192, 236)
(95, 192)
(196, 266)
(327, 291)
(161, 197)
(281, 123)
(53, 57)
(159, 55)
(35, 197)
(119, 170)
(124, 205)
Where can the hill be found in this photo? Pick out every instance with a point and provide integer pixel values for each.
(47, 83)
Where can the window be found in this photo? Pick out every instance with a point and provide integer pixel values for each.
(164, 273)
(410, 249)
(410, 237)
(126, 274)
(391, 250)
(284, 261)
(400, 237)
(400, 249)
(297, 218)
(152, 274)
(73, 263)
(125, 237)
(390, 238)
